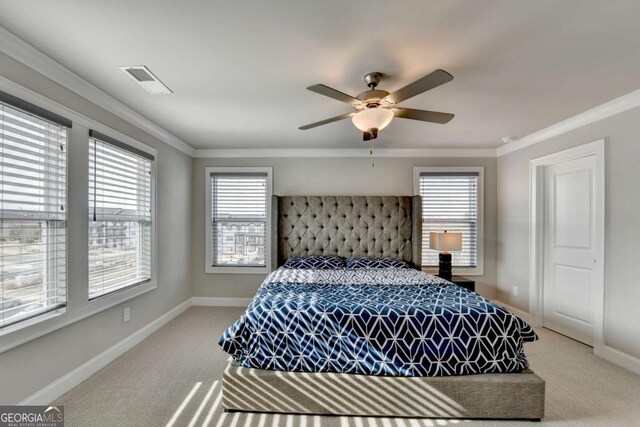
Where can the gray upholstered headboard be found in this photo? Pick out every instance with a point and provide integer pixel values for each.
(379, 226)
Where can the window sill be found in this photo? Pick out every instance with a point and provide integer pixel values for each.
(238, 270)
(478, 271)
(32, 321)
(50, 322)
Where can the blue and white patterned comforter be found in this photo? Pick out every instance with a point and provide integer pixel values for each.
(396, 322)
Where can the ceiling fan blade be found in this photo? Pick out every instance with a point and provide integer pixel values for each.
(428, 82)
(326, 121)
(368, 136)
(335, 94)
(423, 115)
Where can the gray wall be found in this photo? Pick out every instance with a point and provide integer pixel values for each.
(180, 216)
(26, 369)
(622, 228)
(332, 176)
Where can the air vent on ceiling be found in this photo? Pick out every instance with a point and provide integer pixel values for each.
(145, 78)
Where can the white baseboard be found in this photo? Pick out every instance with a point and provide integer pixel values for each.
(65, 383)
(84, 371)
(520, 313)
(618, 357)
(57, 388)
(609, 354)
(220, 302)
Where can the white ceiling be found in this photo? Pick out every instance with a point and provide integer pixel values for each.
(239, 69)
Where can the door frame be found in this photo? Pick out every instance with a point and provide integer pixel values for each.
(537, 228)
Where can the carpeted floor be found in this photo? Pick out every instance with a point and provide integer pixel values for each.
(172, 379)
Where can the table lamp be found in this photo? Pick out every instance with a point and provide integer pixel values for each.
(445, 242)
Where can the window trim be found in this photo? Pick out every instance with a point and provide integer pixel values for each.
(466, 271)
(208, 226)
(78, 306)
(125, 294)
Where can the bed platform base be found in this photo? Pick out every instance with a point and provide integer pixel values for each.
(494, 396)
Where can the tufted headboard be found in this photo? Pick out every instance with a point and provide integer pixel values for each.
(379, 226)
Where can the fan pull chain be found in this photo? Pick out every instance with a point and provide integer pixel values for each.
(373, 164)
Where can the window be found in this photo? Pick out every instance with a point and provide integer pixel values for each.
(33, 214)
(120, 215)
(238, 229)
(452, 201)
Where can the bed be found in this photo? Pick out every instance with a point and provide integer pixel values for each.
(372, 341)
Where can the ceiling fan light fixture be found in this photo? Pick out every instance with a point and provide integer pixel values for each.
(372, 118)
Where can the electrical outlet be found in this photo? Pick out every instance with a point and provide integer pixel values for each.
(514, 291)
(127, 314)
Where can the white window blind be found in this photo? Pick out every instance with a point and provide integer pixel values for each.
(450, 202)
(239, 219)
(119, 216)
(33, 214)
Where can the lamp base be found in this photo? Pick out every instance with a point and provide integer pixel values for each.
(445, 265)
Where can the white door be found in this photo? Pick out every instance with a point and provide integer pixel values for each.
(569, 274)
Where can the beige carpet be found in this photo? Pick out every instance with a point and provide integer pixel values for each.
(172, 379)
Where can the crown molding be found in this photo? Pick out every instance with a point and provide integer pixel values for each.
(347, 152)
(28, 55)
(608, 109)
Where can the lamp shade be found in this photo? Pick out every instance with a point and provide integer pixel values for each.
(372, 118)
(445, 241)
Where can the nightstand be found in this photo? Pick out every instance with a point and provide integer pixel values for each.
(464, 282)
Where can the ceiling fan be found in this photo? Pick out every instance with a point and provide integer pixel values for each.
(374, 108)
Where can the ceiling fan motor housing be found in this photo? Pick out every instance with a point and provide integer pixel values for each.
(372, 98)
(373, 79)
